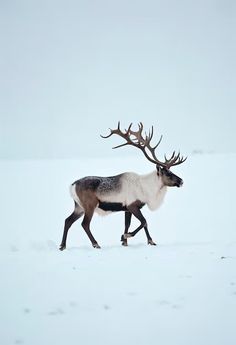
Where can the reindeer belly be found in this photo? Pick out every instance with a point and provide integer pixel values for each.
(111, 206)
(105, 208)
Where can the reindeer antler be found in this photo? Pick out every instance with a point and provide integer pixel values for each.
(143, 143)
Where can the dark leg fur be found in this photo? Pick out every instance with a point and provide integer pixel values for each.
(149, 239)
(68, 222)
(128, 216)
(86, 225)
(138, 214)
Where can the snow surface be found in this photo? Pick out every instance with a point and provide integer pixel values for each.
(183, 291)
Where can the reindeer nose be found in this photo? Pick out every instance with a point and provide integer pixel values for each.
(181, 183)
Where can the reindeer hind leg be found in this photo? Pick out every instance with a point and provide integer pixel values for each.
(75, 215)
(86, 225)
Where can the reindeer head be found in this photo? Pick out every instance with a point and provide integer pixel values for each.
(168, 178)
(143, 142)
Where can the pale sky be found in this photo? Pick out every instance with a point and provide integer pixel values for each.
(69, 70)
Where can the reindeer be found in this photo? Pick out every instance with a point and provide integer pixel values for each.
(127, 192)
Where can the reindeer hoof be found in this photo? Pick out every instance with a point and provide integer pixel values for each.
(124, 243)
(151, 243)
(123, 238)
(62, 247)
(96, 245)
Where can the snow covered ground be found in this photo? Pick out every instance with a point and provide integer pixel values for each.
(183, 291)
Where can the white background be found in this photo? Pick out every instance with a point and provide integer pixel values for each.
(71, 69)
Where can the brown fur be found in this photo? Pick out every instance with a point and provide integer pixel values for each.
(88, 199)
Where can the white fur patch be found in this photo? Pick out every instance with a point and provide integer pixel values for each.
(74, 195)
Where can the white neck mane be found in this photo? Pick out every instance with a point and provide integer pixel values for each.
(154, 190)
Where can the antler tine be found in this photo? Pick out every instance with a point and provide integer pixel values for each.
(125, 135)
(158, 142)
(179, 161)
(138, 135)
(148, 137)
(106, 136)
(140, 126)
(146, 144)
(151, 133)
(128, 130)
(174, 160)
(168, 160)
(116, 147)
(114, 131)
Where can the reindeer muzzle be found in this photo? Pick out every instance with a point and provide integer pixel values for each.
(179, 183)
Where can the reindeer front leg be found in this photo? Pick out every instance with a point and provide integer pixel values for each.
(128, 216)
(135, 210)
